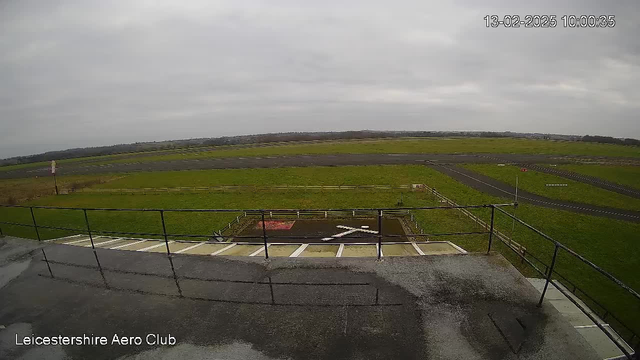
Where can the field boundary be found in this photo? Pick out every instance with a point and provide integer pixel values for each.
(190, 189)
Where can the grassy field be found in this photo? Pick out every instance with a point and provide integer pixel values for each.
(428, 145)
(101, 158)
(405, 145)
(344, 175)
(534, 182)
(623, 175)
(15, 191)
(603, 241)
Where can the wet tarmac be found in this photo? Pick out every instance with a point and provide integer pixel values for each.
(246, 308)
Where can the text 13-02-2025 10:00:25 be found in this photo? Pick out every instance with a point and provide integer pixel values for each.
(550, 21)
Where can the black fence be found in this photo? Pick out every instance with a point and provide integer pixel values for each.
(565, 286)
(379, 213)
(547, 271)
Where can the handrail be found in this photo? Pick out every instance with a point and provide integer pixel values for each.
(580, 257)
(261, 210)
(374, 212)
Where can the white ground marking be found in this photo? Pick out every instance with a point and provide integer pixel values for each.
(75, 242)
(259, 250)
(340, 250)
(189, 248)
(299, 250)
(415, 246)
(154, 246)
(545, 202)
(65, 238)
(125, 245)
(588, 326)
(223, 249)
(363, 229)
(105, 242)
(350, 230)
(463, 251)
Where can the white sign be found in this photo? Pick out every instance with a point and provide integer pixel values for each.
(53, 166)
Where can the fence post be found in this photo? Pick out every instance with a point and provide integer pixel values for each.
(33, 217)
(47, 261)
(379, 234)
(550, 274)
(493, 212)
(264, 236)
(164, 231)
(86, 220)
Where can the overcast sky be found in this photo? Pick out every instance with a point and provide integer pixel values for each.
(89, 73)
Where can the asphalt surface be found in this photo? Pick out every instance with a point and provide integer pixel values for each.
(429, 307)
(494, 187)
(302, 161)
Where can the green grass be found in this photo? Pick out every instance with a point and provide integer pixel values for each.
(534, 182)
(424, 145)
(19, 190)
(345, 175)
(179, 223)
(380, 146)
(608, 243)
(373, 146)
(623, 175)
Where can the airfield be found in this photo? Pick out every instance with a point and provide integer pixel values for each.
(321, 211)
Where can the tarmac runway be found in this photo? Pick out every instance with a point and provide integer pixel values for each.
(305, 160)
(494, 187)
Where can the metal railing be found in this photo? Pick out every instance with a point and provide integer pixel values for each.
(633, 339)
(379, 213)
(550, 270)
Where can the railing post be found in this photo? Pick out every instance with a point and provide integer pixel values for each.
(493, 213)
(549, 275)
(47, 261)
(86, 220)
(379, 234)
(264, 236)
(35, 225)
(164, 231)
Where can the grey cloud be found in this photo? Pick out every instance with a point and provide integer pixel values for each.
(100, 72)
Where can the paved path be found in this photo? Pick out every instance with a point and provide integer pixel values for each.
(494, 187)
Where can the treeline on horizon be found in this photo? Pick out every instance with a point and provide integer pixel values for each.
(292, 137)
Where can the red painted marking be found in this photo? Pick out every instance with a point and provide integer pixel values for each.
(276, 225)
(524, 170)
